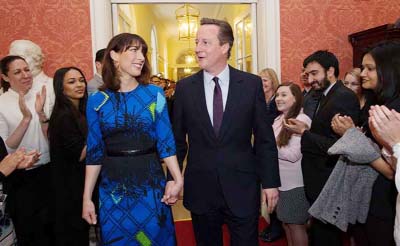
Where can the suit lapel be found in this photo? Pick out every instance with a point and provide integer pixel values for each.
(199, 98)
(234, 94)
(329, 95)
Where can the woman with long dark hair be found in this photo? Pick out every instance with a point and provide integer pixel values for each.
(381, 74)
(129, 131)
(67, 138)
(292, 206)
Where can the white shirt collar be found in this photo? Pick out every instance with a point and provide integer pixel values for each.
(223, 76)
(326, 91)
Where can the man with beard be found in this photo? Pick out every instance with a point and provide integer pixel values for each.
(322, 69)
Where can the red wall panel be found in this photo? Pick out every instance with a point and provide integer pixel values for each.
(60, 27)
(310, 25)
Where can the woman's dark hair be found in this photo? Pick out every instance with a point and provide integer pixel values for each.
(64, 105)
(285, 135)
(4, 68)
(387, 60)
(119, 44)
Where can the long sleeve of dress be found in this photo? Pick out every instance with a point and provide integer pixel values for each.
(164, 134)
(95, 144)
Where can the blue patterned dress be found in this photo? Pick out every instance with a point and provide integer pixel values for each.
(131, 187)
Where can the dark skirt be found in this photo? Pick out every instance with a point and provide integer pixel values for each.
(293, 206)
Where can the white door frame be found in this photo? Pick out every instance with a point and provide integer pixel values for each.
(266, 39)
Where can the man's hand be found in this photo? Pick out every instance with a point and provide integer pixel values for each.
(271, 198)
(295, 126)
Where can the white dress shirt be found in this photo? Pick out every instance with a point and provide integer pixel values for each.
(11, 116)
(209, 85)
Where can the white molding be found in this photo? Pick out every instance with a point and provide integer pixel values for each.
(101, 25)
(254, 47)
(269, 44)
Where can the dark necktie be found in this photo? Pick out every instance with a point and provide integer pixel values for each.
(218, 109)
(320, 102)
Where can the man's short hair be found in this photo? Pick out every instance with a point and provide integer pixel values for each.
(325, 58)
(100, 55)
(225, 34)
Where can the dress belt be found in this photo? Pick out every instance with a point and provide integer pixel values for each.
(133, 152)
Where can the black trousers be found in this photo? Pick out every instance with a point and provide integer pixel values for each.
(375, 232)
(28, 204)
(208, 226)
(324, 234)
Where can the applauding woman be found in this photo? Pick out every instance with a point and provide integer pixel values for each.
(24, 112)
(292, 207)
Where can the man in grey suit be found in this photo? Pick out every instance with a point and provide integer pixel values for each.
(97, 81)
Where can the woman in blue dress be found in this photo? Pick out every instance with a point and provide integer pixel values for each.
(128, 132)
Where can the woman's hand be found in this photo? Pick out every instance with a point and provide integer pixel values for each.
(11, 161)
(30, 158)
(340, 124)
(40, 101)
(88, 212)
(172, 191)
(26, 113)
(384, 124)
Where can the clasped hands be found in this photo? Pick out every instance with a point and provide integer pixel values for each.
(385, 125)
(341, 123)
(295, 126)
(20, 159)
(172, 191)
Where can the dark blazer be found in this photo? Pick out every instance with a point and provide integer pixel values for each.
(66, 140)
(316, 164)
(310, 102)
(228, 160)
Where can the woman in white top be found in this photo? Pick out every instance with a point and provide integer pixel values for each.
(292, 207)
(24, 112)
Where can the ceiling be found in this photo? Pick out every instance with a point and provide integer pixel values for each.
(166, 14)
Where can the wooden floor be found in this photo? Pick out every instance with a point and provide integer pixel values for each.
(179, 212)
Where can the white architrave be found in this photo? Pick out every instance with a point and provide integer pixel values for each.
(101, 25)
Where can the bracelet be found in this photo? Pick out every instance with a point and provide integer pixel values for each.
(44, 121)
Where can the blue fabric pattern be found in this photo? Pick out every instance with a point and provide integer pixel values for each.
(131, 187)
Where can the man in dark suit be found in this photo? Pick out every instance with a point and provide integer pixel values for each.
(322, 69)
(217, 110)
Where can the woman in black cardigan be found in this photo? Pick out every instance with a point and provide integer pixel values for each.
(67, 135)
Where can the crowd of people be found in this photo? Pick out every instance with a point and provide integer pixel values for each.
(322, 159)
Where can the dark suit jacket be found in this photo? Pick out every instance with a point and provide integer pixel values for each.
(272, 111)
(228, 160)
(310, 102)
(316, 164)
